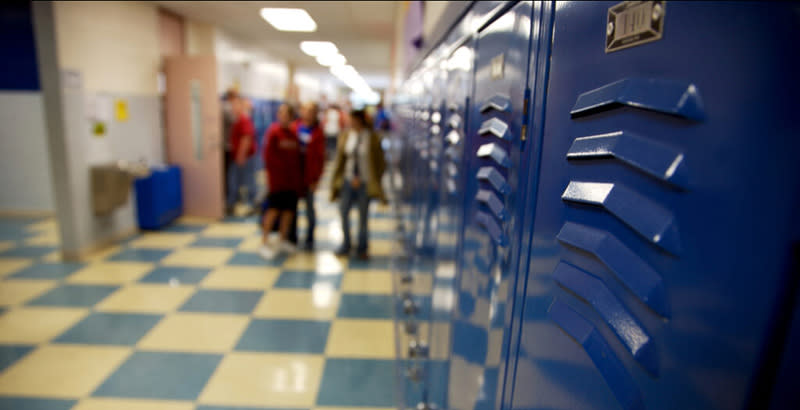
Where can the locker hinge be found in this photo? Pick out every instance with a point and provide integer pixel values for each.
(524, 132)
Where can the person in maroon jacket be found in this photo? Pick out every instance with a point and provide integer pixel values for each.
(285, 179)
(312, 148)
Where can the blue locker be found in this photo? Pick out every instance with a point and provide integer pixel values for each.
(496, 168)
(665, 214)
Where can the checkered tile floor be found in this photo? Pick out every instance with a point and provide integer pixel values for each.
(191, 318)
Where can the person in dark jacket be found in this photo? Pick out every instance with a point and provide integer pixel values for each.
(312, 148)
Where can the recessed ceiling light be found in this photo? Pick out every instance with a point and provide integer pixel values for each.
(318, 48)
(331, 59)
(289, 19)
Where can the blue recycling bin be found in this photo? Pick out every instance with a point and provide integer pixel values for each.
(159, 197)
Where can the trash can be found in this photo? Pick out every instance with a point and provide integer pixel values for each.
(159, 197)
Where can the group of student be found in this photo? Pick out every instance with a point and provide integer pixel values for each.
(294, 158)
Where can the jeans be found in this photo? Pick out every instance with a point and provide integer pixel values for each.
(311, 216)
(238, 176)
(358, 197)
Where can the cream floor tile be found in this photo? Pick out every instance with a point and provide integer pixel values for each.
(264, 380)
(230, 230)
(101, 254)
(241, 278)
(6, 245)
(421, 284)
(382, 224)
(372, 282)
(62, 371)
(361, 339)
(210, 257)
(44, 239)
(321, 302)
(382, 247)
(350, 408)
(250, 244)
(195, 220)
(111, 273)
(322, 262)
(18, 291)
(11, 265)
(164, 240)
(147, 298)
(132, 404)
(195, 332)
(34, 325)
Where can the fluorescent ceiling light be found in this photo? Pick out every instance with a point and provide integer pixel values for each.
(331, 60)
(289, 19)
(318, 48)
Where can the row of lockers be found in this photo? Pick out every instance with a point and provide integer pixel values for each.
(597, 205)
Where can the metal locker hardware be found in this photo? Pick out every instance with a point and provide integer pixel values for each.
(494, 204)
(435, 129)
(409, 306)
(495, 178)
(647, 156)
(496, 153)
(496, 127)
(596, 347)
(451, 187)
(418, 350)
(452, 107)
(451, 152)
(452, 170)
(592, 290)
(680, 98)
(647, 218)
(629, 268)
(497, 102)
(454, 121)
(436, 117)
(410, 328)
(453, 137)
(492, 228)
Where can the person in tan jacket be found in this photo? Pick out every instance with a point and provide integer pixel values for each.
(357, 172)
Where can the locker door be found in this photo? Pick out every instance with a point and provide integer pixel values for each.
(495, 168)
(666, 210)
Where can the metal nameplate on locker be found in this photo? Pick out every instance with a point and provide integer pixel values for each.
(632, 23)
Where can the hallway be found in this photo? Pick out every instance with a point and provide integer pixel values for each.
(191, 318)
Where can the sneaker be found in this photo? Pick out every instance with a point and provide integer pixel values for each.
(266, 253)
(287, 247)
(342, 251)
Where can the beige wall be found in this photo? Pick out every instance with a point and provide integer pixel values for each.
(114, 44)
(431, 13)
(199, 38)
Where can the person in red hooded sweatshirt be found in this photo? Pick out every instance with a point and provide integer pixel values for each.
(312, 149)
(285, 178)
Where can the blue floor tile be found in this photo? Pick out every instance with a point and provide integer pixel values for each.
(218, 242)
(357, 382)
(110, 329)
(252, 259)
(374, 262)
(12, 353)
(27, 252)
(20, 403)
(305, 279)
(164, 274)
(365, 306)
(48, 271)
(294, 336)
(140, 255)
(156, 375)
(74, 295)
(382, 234)
(242, 408)
(223, 301)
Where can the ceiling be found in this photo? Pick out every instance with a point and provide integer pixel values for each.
(362, 30)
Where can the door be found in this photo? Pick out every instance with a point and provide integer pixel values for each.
(193, 132)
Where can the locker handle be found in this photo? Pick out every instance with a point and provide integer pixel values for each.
(496, 127)
(454, 121)
(647, 218)
(495, 231)
(679, 98)
(453, 137)
(495, 178)
(595, 292)
(605, 360)
(629, 268)
(654, 159)
(492, 202)
(497, 102)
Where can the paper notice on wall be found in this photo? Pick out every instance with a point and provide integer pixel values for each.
(99, 111)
